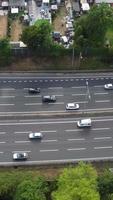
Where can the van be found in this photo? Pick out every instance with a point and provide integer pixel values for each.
(84, 123)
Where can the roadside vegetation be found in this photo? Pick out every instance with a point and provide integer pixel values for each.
(75, 182)
(93, 42)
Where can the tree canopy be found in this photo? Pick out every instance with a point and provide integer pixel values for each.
(38, 37)
(78, 183)
(5, 52)
(105, 185)
(90, 29)
(32, 189)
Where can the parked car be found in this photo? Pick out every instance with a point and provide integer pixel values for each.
(84, 123)
(49, 98)
(37, 135)
(20, 156)
(72, 106)
(108, 86)
(34, 90)
(56, 36)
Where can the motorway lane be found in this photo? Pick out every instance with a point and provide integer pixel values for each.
(18, 100)
(54, 80)
(61, 139)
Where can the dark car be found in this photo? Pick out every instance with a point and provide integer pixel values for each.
(49, 98)
(20, 156)
(56, 36)
(34, 90)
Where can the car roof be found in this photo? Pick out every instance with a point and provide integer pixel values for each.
(71, 104)
(109, 84)
(47, 96)
(37, 133)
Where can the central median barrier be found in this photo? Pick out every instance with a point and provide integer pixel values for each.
(35, 115)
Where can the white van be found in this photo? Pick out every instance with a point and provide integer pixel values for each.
(84, 123)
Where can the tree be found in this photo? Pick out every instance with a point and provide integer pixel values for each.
(105, 185)
(32, 189)
(8, 184)
(37, 37)
(90, 30)
(79, 183)
(5, 52)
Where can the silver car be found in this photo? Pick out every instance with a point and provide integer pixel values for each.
(20, 156)
(37, 135)
(108, 86)
(72, 106)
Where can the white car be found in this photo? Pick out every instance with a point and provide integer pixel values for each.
(35, 135)
(84, 123)
(108, 86)
(20, 156)
(72, 106)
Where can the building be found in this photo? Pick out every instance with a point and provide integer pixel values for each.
(16, 5)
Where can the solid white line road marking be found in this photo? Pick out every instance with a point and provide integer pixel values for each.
(1, 133)
(102, 138)
(18, 132)
(2, 142)
(51, 131)
(78, 87)
(7, 96)
(78, 94)
(55, 88)
(27, 141)
(4, 104)
(102, 101)
(32, 104)
(99, 129)
(108, 147)
(18, 151)
(27, 96)
(49, 150)
(81, 102)
(97, 86)
(76, 139)
(7, 88)
(1, 152)
(49, 140)
(76, 149)
(73, 130)
(57, 103)
(100, 93)
(59, 95)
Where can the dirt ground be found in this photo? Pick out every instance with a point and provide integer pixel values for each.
(16, 30)
(3, 26)
(59, 21)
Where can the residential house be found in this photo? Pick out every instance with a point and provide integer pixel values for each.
(16, 5)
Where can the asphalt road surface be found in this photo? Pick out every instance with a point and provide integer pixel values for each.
(68, 88)
(62, 140)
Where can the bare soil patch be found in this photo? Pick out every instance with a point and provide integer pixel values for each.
(3, 26)
(45, 63)
(59, 21)
(16, 30)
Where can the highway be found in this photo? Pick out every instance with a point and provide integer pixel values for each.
(14, 97)
(62, 140)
